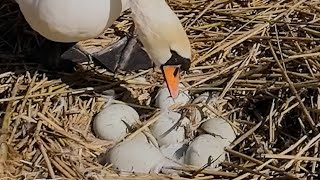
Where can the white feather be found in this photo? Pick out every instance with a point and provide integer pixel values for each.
(159, 30)
(71, 20)
(158, 27)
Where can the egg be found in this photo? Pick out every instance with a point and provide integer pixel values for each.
(136, 155)
(167, 129)
(219, 127)
(113, 121)
(203, 148)
(164, 101)
(174, 152)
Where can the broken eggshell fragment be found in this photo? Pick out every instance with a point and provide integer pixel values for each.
(219, 127)
(114, 121)
(164, 101)
(168, 129)
(136, 155)
(206, 98)
(204, 148)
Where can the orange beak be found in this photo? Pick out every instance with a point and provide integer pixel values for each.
(171, 75)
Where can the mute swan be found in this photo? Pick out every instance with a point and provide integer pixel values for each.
(158, 28)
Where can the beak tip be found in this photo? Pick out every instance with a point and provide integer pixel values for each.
(174, 95)
(172, 80)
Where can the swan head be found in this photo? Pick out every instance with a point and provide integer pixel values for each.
(164, 39)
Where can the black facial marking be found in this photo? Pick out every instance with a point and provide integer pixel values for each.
(176, 59)
(176, 71)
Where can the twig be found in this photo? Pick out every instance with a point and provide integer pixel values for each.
(294, 91)
(260, 162)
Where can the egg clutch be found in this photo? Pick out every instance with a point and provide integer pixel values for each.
(171, 138)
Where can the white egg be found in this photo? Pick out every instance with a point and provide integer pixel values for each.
(167, 129)
(136, 155)
(204, 148)
(174, 152)
(219, 127)
(113, 121)
(164, 101)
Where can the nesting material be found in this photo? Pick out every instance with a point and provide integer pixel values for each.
(136, 155)
(205, 148)
(168, 129)
(114, 122)
(260, 58)
(206, 98)
(196, 115)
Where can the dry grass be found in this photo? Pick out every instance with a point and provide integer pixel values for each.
(260, 56)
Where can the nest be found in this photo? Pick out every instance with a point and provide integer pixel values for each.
(261, 57)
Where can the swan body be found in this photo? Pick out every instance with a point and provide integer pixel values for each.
(71, 20)
(158, 28)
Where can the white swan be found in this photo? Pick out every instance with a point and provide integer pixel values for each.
(71, 20)
(158, 28)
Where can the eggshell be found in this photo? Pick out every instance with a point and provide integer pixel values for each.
(203, 98)
(136, 155)
(111, 123)
(175, 152)
(219, 127)
(164, 101)
(166, 130)
(202, 148)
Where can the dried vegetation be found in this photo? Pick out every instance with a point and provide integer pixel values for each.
(260, 56)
